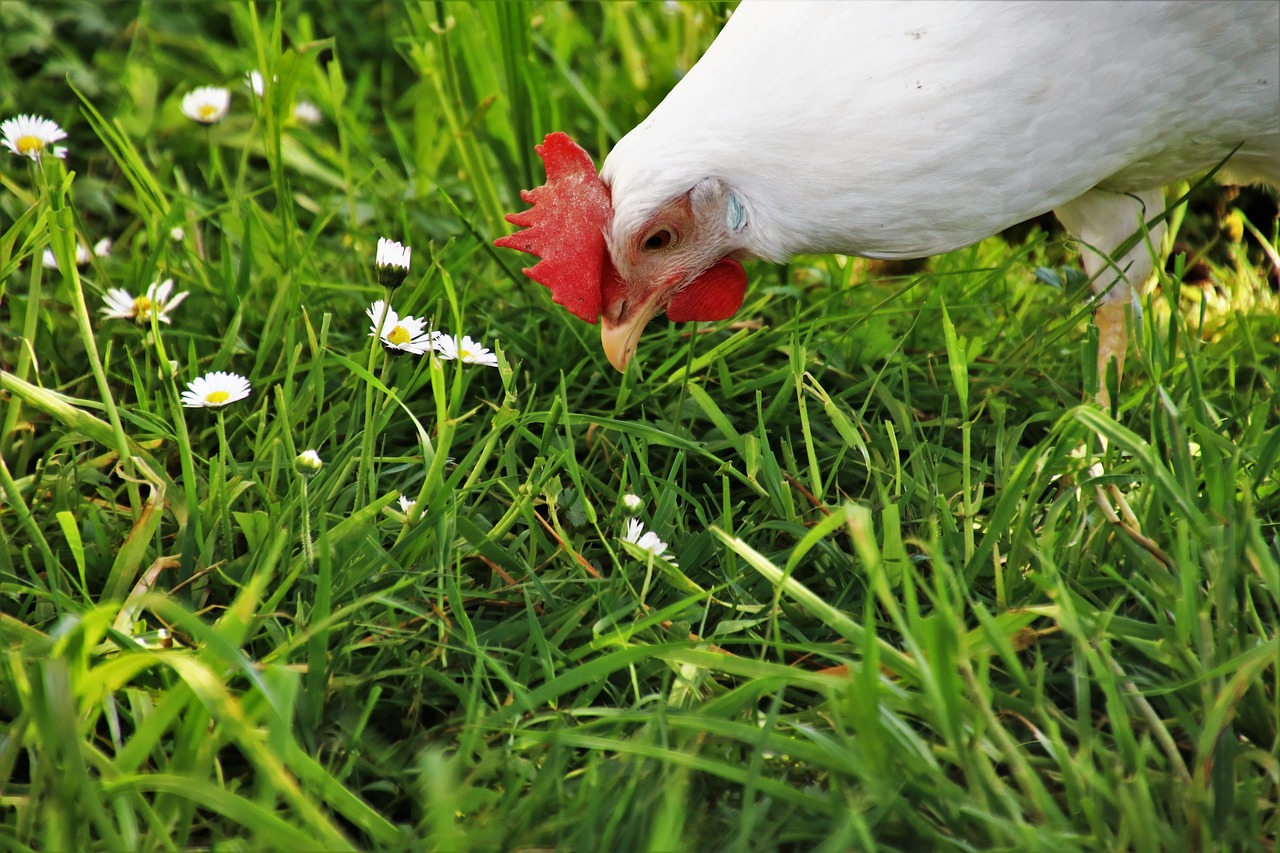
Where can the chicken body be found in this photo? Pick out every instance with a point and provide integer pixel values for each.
(907, 129)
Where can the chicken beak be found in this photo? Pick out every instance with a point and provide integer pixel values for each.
(620, 337)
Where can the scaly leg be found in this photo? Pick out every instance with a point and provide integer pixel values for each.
(1113, 340)
(1102, 220)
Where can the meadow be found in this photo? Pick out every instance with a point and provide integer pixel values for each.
(863, 568)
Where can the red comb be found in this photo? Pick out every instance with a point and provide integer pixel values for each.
(565, 228)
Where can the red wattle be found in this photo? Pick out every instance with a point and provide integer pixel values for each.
(717, 294)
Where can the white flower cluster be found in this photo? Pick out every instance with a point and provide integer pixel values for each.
(408, 334)
(210, 104)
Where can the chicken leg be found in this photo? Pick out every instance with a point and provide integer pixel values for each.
(1102, 220)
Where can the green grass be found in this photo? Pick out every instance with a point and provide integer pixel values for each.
(925, 598)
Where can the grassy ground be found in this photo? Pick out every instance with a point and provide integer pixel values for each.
(915, 601)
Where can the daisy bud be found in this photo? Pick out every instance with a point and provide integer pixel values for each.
(632, 503)
(392, 262)
(308, 463)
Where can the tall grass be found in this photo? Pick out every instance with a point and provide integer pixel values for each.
(916, 595)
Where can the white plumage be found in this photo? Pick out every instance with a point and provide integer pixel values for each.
(903, 129)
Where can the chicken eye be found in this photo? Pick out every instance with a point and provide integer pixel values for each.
(658, 240)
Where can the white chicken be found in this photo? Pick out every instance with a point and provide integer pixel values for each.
(907, 129)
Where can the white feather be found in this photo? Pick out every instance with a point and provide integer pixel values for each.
(904, 129)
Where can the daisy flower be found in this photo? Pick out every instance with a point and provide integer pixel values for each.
(645, 539)
(399, 334)
(305, 112)
(102, 249)
(465, 350)
(207, 105)
(30, 136)
(392, 262)
(123, 305)
(215, 389)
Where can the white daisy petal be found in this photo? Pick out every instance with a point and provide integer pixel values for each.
(170, 305)
(215, 389)
(31, 136)
(159, 291)
(207, 104)
(651, 543)
(120, 304)
(392, 254)
(376, 313)
(445, 346)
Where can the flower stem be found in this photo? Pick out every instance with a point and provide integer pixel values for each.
(220, 483)
(63, 236)
(366, 485)
(30, 325)
(308, 549)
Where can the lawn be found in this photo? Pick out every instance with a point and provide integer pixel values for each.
(916, 592)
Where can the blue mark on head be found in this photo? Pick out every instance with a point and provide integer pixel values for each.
(737, 219)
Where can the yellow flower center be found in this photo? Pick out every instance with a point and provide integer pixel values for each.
(142, 308)
(207, 111)
(399, 336)
(216, 397)
(464, 354)
(27, 144)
